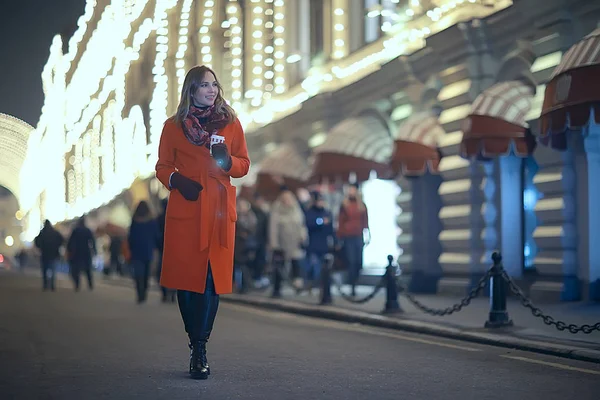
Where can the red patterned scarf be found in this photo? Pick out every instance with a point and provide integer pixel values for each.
(201, 124)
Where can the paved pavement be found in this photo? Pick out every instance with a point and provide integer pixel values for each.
(471, 318)
(102, 345)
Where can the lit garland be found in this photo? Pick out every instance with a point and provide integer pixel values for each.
(256, 16)
(206, 32)
(406, 38)
(159, 102)
(268, 43)
(104, 62)
(184, 22)
(279, 47)
(236, 34)
(340, 33)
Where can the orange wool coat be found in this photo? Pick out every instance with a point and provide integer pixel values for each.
(202, 230)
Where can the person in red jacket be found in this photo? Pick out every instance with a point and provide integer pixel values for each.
(353, 220)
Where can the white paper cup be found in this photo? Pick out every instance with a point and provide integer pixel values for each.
(214, 139)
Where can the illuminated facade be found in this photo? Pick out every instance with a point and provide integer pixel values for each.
(296, 69)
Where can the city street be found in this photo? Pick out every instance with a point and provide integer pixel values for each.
(101, 345)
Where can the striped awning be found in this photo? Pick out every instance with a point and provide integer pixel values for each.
(356, 145)
(283, 166)
(496, 125)
(573, 91)
(416, 145)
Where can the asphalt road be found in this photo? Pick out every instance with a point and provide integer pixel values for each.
(102, 345)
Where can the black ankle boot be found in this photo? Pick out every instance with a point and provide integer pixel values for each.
(199, 368)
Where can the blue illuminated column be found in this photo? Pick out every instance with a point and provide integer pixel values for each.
(531, 195)
(592, 149)
(511, 180)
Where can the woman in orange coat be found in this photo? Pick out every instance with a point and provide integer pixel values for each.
(201, 148)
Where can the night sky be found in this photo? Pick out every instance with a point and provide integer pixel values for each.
(26, 31)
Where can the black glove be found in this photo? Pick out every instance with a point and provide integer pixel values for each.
(221, 155)
(189, 189)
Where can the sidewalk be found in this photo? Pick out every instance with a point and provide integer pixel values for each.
(528, 333)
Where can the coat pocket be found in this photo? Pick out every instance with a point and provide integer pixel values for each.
(231, 202)
(180, 208)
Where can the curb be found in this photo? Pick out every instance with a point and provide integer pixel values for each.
(381, 321)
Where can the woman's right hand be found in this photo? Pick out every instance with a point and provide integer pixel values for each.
(189, 189)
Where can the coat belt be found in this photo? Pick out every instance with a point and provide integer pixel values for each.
(221, 217)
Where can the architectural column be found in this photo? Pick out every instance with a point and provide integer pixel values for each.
(592, 149)
(426, 227)
(489, 212)
(571, 290)
(477, 223)
(482, 66)
(511, 198)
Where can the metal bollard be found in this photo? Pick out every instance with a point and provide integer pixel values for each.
(326, 280)
(391, 301)
(498, 317)
(277, 264)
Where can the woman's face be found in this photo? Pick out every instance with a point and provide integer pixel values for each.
(207, 92)
(351, 191)
(243, 206)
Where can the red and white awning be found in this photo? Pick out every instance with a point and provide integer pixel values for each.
(356, 145)
(496, 125)
(572, 93)
(283, 166)
(416, 145)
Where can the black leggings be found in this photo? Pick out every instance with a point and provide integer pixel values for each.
(198, 310)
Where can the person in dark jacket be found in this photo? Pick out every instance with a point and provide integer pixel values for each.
(142, 239)
(80, 248)
(260, 209)
(49, 241)
(168, 295)
(321, 237)
(116, 263)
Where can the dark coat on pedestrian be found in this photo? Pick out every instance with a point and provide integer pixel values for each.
(81, 245)
(143, 238)
(321, 234)
(49, 242)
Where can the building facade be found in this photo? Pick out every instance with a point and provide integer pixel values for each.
(352, 87)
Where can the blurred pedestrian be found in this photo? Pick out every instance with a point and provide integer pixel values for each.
(287, 233)
(321, 237)
(142, 239)
(245, 241)
(353, 224)
(81, 247)
(260, 208)
(49, 241)
(202, 146)
(168, 295)
(116, 257)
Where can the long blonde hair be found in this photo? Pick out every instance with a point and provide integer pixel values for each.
(191, 83)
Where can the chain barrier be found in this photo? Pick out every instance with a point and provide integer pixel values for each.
(498, 297)
(473, 293)
(365, 299)
(537, 312)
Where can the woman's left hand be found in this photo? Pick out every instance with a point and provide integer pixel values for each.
(221, 154)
